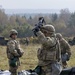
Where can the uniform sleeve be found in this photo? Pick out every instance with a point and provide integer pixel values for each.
(58, 52)
(68, 49)
(18, 47)
(43, 39)
(11, 47)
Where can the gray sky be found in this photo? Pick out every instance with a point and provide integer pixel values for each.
(38, 4)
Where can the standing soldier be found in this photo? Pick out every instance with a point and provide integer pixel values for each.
(65, 49)
(49, 54)
(27, 41)
(14, 52)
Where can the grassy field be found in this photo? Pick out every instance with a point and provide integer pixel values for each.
(29, 59)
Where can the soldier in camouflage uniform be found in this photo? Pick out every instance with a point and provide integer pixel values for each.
(14, 52)
(49, 54)
(65, 49)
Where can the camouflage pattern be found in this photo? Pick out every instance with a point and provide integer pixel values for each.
(13, 53)
(65, 50)
(58, 36)
(49, 53)
(13, 31)
(49, 28)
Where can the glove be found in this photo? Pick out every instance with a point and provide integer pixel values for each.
(36, 30)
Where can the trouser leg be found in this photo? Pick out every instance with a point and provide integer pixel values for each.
(13, 66)
(13, 70)
(46, 70)
(56, 68)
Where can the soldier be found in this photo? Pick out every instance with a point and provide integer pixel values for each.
(27, 41)
(14, 52)
(49, 54)
(65, 49)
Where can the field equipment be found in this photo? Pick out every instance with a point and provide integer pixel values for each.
(68, 71)
(39, 25)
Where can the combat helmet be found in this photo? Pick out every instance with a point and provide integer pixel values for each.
(49, 28)
(13, 31)
(58, 35)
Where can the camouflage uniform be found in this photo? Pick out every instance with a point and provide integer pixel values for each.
(49, 54)
(13, 53)
(65, 49)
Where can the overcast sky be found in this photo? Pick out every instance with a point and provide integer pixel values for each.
(38, 4)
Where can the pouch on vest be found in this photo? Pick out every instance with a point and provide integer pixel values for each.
(13, 62)
(9, 55)
(39, 54)
(50, 55)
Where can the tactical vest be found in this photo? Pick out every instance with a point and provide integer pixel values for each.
(20, 51)
(10, 55)
(49, 53)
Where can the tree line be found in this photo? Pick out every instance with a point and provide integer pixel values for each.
(64, 22)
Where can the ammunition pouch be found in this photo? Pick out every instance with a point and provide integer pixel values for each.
(50, 56)
(10, 56)
(13, 62)
(46, 55)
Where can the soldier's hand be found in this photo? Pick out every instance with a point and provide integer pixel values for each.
(16, 54)
(20, 55)
(36, 30)
(68, 57)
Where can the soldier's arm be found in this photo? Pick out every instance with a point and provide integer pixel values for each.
(59, 52)
(20, 50)
(18, 45)
(11, 46)
(43, 39)
(68, 49)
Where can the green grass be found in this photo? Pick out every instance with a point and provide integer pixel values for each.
(29, 59)
(71, 62)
